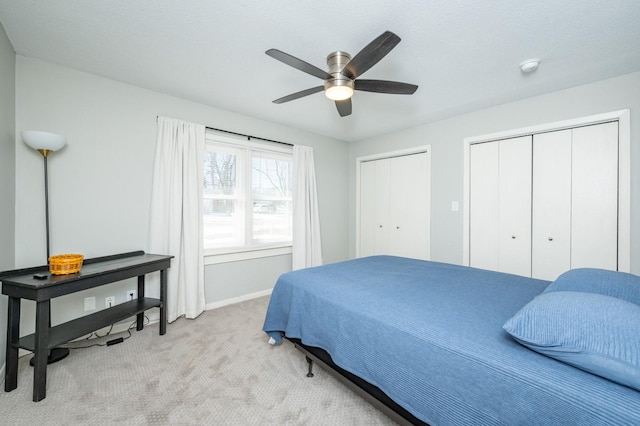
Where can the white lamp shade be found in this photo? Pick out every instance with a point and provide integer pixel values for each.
(43, 140)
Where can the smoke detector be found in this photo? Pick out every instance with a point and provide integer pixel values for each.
(530, 65)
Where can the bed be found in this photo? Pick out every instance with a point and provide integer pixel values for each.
(432, 339)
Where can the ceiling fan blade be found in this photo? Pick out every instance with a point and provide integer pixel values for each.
(371, 54)
(344, 107)
(384, 86)
(298, 64)
(299, 94)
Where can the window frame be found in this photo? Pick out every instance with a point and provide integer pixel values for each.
(247, 250)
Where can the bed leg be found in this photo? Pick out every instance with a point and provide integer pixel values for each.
(310, 365)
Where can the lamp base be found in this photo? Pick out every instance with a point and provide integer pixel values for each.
(55, 355)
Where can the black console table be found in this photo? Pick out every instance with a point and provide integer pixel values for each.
(21, 284)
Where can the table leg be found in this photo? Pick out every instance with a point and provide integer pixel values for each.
(163, 299)
(13, 334)
(43, 310)
(140, 316)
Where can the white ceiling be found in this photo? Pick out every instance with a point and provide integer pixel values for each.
(463, 54)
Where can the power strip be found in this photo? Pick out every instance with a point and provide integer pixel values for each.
(115, 341)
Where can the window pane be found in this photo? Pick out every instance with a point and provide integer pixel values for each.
(271, 221)
(223, 219)
(220, 173)
(222, 224)
(271, 176)
(271, 182)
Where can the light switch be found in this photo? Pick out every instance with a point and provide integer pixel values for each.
(455, 206)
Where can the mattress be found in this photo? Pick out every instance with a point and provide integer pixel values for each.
(430, 336)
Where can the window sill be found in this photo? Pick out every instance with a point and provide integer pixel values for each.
(212, 257)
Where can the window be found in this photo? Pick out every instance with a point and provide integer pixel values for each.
(247, 195)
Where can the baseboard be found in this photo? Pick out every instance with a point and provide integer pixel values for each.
(238, 299)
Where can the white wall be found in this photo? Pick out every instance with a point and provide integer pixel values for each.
(100, 182)
(446, 140)
(7, 174)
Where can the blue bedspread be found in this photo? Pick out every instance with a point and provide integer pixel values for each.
(430, 336)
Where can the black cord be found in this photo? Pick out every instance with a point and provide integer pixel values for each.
(105, 335)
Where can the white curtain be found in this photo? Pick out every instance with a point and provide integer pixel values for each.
(307, 247)
(176, 213)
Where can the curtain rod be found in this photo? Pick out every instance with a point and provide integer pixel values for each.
(249, 137)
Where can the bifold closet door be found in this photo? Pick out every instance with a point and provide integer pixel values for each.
(484, 206)
(500, 206)
(409, 204)
(514, 166)
(575, 200)
(594, 197)
(374, 207)
(394, 206)
(551, 227)
(367, 203)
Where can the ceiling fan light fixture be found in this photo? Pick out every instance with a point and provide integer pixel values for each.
(338, 88)
(338, 93)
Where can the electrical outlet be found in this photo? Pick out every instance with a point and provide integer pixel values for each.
(89, 303)
(109, 301)
(132, 294)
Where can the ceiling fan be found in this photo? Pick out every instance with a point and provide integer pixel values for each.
(341, 79)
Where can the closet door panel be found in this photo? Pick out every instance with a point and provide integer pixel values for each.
(484, 207)
(594, 219)
(515, 205)
(408, 201)
(367, 208)
(551, 222)
(381, 207)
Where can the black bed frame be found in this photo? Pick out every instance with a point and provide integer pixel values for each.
(366, 390)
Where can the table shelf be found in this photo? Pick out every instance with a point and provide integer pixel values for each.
(65, 332)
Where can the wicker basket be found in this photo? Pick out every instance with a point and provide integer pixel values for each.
(62, 264)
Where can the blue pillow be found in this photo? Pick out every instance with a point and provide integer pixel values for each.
(593, 332)
(610, 283)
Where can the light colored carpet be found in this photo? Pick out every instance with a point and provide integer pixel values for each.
(215, 370)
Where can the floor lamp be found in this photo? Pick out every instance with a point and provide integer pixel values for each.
(46, 143)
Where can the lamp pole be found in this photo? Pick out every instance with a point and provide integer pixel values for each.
(46, 143)
(45, 153)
